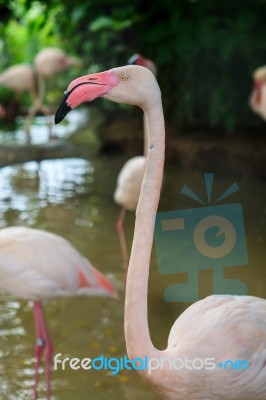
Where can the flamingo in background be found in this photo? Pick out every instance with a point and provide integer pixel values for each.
(138, 59)
(23, 78)
(131, 175)
(257, 100)
(47, 63)
(223, 327)
(38, 265)
(19, 79)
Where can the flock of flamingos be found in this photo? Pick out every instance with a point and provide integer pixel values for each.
(38, 265)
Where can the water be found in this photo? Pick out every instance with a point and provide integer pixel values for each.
(73, 198)
(39, 133)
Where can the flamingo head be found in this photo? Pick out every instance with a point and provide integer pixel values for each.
(138, 59)
(51, 61)
(130, 84)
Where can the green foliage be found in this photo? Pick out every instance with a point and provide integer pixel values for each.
(27, 32)
(205, 51)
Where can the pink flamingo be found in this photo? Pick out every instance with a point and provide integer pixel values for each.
(131, 175)
(38, 265)
(19, 79)
(257, 100)
(23, 78)
(219, 326)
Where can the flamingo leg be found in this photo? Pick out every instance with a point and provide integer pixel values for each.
(47, 112)
(33, 110)
(43, 343)
(121, 235)
(38, 104)
(39, 346)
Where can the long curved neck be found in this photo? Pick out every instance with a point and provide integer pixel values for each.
(145, 135)
(138, 340)
(39, 87)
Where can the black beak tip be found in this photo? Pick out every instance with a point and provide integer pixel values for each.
(58, 117)
(62, 110)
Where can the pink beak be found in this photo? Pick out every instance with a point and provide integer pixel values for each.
(85, 89)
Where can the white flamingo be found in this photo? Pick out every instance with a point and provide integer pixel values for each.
(23, 78)
(19, 79)
(38, 265)
(257, 99)
(219, 326)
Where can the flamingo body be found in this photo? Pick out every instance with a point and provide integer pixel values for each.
(223, 315)
(19, 78)
(220, 327)
(129, 183)
(23, 78)
(37, 265)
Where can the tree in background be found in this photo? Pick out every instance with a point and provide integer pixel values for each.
(26, 28)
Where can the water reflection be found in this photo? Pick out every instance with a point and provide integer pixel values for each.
(39, 132)
(9, 321)
(27, 188)
(73, 198)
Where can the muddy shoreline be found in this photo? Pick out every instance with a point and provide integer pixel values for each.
(242, 155)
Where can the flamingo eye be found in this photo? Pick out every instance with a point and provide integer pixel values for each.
(122, 77)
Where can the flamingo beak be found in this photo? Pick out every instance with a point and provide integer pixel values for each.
(62, 110)
(74, 61)
(85, 89)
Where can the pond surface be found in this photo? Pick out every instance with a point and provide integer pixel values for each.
(39, 133)
(73, 198)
